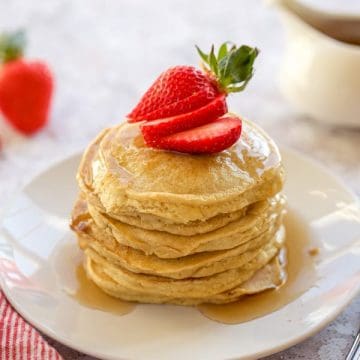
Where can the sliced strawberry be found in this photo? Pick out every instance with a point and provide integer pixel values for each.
(152, 130)
(180, 110)
(206, 139)
(180, 107)
(177, 90)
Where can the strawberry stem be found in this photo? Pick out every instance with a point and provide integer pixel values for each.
(232, 66)
(12, 45)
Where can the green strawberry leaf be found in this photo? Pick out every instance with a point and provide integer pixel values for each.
(12, 45)
(213, 61)
(223, 50)
(203, 56)
(232, 67)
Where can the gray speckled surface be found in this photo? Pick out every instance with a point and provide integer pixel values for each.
(104, 53)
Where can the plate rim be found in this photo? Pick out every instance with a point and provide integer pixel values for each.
(262, 353)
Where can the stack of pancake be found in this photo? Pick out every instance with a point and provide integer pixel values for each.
(165, 227)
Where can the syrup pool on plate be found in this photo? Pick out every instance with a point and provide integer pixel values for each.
(301, 276)
(75, 283)
(90, 295)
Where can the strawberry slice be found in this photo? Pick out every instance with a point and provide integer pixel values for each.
(207, 139)
(180, 111)
(176, 91)
(153, 130)
(191, 103)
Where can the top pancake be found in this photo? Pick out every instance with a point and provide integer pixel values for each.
(121, 176)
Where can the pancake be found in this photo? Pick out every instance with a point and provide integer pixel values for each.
(189, 287)
(266, 269)
(120, 176)
(260, 217)
(152, 222)
(198, 265)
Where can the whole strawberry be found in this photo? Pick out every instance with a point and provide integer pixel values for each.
(26, 87)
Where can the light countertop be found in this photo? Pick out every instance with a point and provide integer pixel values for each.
(104, 55)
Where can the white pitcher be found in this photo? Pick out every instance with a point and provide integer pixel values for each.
(321, 70)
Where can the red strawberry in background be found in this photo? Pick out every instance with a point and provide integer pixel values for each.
(25, 86)
(182, 109)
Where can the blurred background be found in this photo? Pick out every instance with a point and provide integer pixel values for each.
(104, 55)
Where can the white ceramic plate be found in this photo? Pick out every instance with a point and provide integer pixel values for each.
(37, 260)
